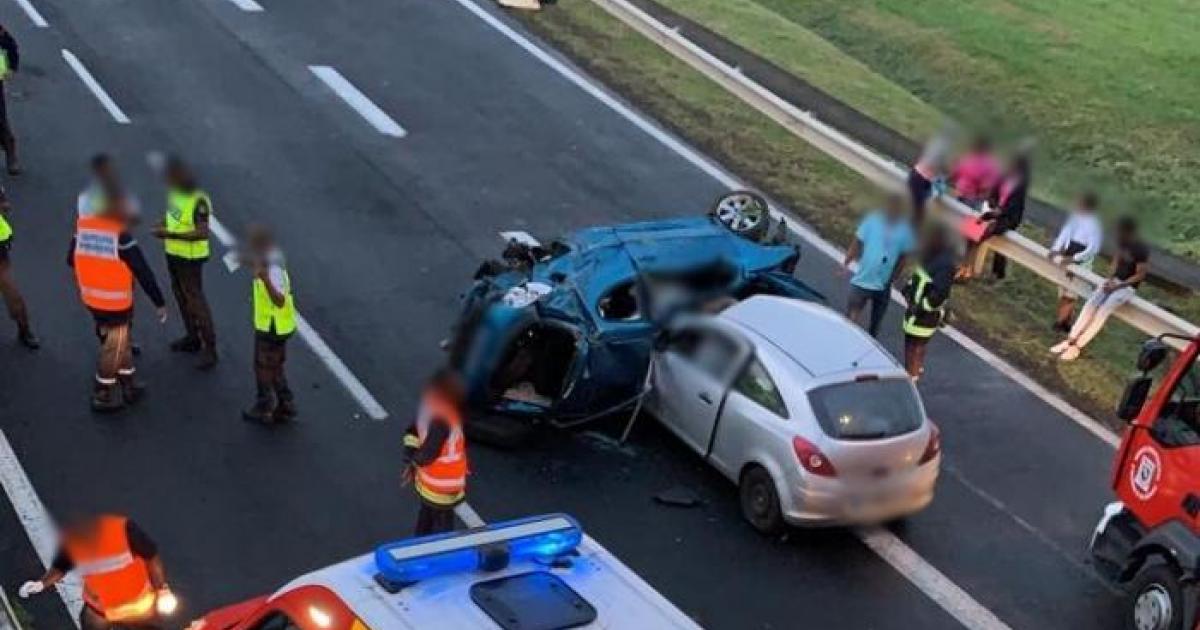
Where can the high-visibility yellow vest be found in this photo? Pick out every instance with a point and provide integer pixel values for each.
(268, 318)
(181, 218)
(4, 67)
(6, 231)
(921, 319)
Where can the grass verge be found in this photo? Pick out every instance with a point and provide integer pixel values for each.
(1012, 317)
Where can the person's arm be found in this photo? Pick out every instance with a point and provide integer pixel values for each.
(939, 289)
(1091, 244)
(852, 253)
(9, 44)
(71, 253)
(439, 432)
(901, 263)
(272, 278)
(131, 255)
(145, 548)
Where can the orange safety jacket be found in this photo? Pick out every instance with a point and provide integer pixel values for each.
(444, 480)
(105, 281)
(116, 583)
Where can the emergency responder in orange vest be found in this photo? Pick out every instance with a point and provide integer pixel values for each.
(185, 235)
(13, 300)
(106, 259)
(123, 580)
(435, 453)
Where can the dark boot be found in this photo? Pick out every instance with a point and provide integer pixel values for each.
(28, 339)
(208, 359)
(106, 398)
(10, 157)
(285, 411)
(187, 343)
(131, 388)
(263, 409)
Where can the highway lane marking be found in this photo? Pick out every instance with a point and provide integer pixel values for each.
(520, 236)
(929, 580)
(359, 102)
(468, 515)
(332, 361)
(98, 90)
(249, 6)
(40, 528)
(935, 585)
(34, 15)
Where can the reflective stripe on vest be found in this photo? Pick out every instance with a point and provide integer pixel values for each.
(105, 281)
(268, 317)
(6, 231)
(181, 218)
(921, 319)
(444, 480)
(115, 581)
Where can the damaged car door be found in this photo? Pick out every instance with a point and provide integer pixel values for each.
(692, 374)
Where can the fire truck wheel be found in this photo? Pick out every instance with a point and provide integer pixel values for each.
(1156, 599)
(760, 501)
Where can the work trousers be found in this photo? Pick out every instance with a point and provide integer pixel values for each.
(187, 283)
(91, 620)
(1095, 312)
(116, 351)
(12, 297)
(270, 355)
(434, 519)
(7, 140)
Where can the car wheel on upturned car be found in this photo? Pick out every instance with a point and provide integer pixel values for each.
(1156, 599)
(760, 501)
(745, 213)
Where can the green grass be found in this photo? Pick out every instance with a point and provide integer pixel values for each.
(1011, 317)
(1111, 89)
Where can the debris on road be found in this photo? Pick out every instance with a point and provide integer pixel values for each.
(677, 496)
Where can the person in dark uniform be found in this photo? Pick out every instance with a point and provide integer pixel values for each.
(13, 300)
(10, 62)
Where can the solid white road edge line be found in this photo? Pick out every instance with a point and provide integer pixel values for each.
(944, 592)
(37, 523)
(33, 14)
(248, 5)
(94, 85)
(468, 515)
(359, 102)
(349, 381)
(936, 586)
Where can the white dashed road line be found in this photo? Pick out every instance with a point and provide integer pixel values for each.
(37, 523)
(92, 84)
(249, 6)
(356, 389)
(33, 14)
(359, 102)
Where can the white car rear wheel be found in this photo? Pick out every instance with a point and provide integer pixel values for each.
(760, 501)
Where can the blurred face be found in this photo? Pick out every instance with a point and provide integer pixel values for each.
(259, 240)
(81, 527)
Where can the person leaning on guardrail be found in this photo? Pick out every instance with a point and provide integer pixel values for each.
(1077, 243)
(976, 173)
(1003, 212)
(1130, 265)
(928, 173)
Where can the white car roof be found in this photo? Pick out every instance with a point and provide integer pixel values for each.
(814, 337)
(621, 598)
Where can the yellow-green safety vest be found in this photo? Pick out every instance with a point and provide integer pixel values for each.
(269, 318)
(4, 67)
(921, 319)
(181, 218)
(5, 229)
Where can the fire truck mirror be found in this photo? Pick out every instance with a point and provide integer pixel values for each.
(1152, 355)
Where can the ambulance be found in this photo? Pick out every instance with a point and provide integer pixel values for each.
(537, 573)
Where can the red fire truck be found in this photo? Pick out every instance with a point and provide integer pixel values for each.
(1149, 540)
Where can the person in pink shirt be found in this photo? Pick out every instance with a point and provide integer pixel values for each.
(976, 174)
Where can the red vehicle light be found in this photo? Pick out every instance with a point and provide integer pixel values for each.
(812, 459)
(934, 447)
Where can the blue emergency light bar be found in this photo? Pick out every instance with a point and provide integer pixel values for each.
(419, 559)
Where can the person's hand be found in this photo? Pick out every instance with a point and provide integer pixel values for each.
(166, 602)
(32, 587)
(159, 231)
(161, 312)
(843, 271)
(406, 475)
(1109, 286)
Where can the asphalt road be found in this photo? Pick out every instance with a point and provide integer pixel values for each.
(382, 233)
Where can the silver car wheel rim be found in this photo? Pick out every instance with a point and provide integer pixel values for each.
(1152, 610)
(740, 213)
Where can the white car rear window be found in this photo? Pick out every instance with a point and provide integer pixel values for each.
(866, 410)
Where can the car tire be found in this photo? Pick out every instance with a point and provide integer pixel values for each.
(498, 431)
(760, 501)
(744, 213)
(1156, 599)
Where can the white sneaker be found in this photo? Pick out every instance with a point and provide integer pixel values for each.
(1060, 346)
(530, 5)
(1070, 354)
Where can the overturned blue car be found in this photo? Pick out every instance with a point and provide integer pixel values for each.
(563, 332)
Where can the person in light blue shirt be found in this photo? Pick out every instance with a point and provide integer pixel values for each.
(883, 240)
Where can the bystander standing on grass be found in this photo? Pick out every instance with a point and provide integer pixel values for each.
(1077, 243)
(881, 243)
(1129, 269)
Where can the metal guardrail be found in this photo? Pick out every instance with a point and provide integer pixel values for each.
(1139, 313)
(8, 617)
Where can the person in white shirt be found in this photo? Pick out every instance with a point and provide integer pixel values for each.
(1077, 243)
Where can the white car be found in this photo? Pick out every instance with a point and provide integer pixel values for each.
(813, 419)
